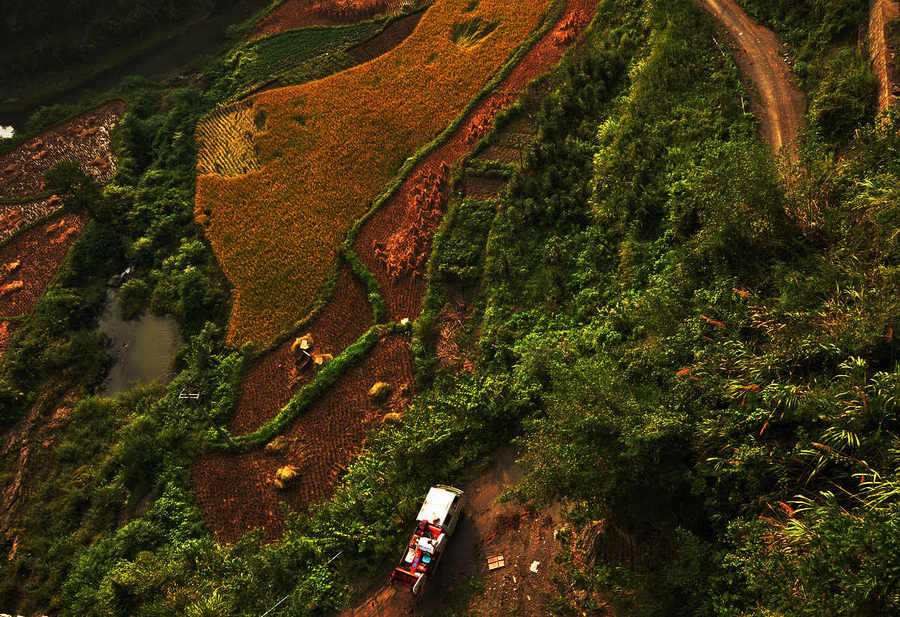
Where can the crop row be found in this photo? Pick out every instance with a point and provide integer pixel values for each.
(84, 139)
(330, 146)
(236, 491)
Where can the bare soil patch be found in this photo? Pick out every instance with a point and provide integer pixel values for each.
(522, 536)
(270, 384)
(776, 102)
(236, 491)
(394, 33)
(30, 261)
(84, 139)
(481, 187)
(881, 14)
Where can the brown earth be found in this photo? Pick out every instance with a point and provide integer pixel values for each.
(268, 385)
(84, 139)
(404, 291)
(395, 33)
(522, 536)
(301, 13)
(882, 13)
(776, 102)
(236, 491)
(30, 261)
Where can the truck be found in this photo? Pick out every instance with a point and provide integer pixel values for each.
(435, 523)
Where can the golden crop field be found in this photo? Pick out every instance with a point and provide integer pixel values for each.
(327, 148)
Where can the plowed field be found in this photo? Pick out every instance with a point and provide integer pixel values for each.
(30, 261)
(84, 139)
(236, 490)
(269, 385)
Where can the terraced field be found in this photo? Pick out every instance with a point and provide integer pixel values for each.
(236, 491)
(327, 148)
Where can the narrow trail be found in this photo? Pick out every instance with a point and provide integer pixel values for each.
(882, 13)
(777, 102)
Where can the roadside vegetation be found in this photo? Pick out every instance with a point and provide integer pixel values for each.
(686, 344)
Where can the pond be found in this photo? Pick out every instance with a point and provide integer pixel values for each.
(142, 349)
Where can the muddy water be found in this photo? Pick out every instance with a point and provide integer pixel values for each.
(143, 349)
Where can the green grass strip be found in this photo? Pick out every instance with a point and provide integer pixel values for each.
(373, 289)
(553, 14)
(327, 376)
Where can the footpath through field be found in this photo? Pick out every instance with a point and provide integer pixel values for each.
(235, 491)
(777, 102)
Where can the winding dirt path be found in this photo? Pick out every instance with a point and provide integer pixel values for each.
(777, 102)
(882, 13)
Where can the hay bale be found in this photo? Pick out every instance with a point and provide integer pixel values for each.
(322, 359)
(277, 446)
(390, 418)
(303, 343)
(10, 288)
(285, 475)
(380, 390)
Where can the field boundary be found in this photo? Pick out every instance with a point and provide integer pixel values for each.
(310, 393)
(346, 249)
(551, 16)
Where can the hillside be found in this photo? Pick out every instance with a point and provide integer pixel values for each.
(625, 272)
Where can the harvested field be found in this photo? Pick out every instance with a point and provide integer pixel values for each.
(84, 139)
(330, 146)
(404, 292)
(15, 217)
(395, 33)
(269, 384)
(225, 141)
(301, 13)
(481, 187)
(30, 261)
(236, 491)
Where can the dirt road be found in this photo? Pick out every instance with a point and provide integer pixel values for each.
(777, 102)
(882, 13)
(488, 529)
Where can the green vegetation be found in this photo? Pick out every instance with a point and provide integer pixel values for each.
(291, 57)
(833, 67)
(687, 346)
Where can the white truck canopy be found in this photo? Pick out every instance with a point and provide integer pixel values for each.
(437, 505)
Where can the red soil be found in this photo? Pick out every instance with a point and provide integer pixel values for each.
(40, 252)
(404, 293)
(84, 139)
(268, 385)
(301, 13)
(236, 491)
(15, 217)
